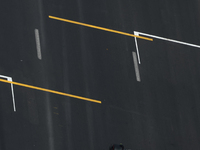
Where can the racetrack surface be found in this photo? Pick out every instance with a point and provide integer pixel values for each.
(148, 102)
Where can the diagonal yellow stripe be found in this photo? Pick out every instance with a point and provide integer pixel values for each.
(51, 91)
(100, 28)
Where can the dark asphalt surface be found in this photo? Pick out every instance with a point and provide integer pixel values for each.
(159, 113)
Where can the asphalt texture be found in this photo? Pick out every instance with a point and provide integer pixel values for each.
(159, 113)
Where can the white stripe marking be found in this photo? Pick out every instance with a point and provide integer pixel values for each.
(13, 97)
(138, 54)
(37, 39)
(170, 40)
(137, 73)
(161, 38)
